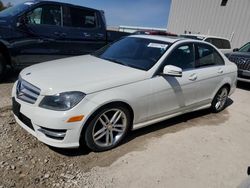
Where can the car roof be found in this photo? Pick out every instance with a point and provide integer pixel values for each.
(168, 39)
(62, 3)
(204, 36)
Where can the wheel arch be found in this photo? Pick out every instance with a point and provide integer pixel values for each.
(5, 51)
(226, 84)
(108, 104)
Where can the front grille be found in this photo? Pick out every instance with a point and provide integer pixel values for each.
(27, 92)
(241, 62)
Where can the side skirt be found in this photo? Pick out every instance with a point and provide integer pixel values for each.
(171, 115)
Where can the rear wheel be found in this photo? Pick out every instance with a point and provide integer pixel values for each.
(220, 99)
(2, 66)
(107, 128)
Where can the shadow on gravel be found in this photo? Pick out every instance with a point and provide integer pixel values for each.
(83, 150)
(198, 118)
(243, 85)
(175, 123)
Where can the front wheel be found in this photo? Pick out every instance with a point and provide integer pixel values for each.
(107, 128)
(220, 99)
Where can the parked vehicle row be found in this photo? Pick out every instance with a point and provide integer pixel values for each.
(137, 81)
(38, 31)
(152, 32)
(221, 43)
(241, 57)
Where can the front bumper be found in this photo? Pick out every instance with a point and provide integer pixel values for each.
(243, 75)
(48, 126)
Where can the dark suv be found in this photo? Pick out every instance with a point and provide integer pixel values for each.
(241, 57)
(37, 31)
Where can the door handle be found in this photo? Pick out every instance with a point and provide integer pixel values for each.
(56, 33)
(99, 36)
(63, 35)
(220, 71)
(86, 34)
(193, 77)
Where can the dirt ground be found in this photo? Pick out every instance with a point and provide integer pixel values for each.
(199, 149)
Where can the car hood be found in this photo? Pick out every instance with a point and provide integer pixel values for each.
(240, 54)
(86, 73)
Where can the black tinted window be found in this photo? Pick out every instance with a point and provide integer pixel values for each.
(134, 52)
(245, 48)
(81, 18)
(182, 57)
(219, 43)
(207, 56)
(46, 14)
(192, 37)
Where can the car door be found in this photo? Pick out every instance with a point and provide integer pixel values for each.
(83, 30)
(174, 94)
(43, 42)
(209, 70)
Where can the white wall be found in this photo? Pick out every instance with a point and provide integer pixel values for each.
(209, 17)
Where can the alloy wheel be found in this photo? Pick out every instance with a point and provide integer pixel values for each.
(221, 99)
(109, 128)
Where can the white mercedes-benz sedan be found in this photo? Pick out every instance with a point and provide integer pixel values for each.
(139, 80)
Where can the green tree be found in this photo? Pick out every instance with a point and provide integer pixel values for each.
(2, 6)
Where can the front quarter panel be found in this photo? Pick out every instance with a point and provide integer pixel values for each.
(136, 95)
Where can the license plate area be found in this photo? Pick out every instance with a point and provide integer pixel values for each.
(24, 119)
(16, 107)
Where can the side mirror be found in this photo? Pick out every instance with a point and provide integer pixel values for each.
(235, 49)
(172, 70)
(22, 22)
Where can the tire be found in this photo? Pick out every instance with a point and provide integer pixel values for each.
(108, 128)
(2, 66)
(220, 99)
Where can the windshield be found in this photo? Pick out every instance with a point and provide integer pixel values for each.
(192, 37)
(12, 11)
(134, 52)
(245, 48)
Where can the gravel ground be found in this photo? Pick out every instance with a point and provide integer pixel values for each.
(199, 149)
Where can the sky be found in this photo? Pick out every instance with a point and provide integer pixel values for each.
(144, 13)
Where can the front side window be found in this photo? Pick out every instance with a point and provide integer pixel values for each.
(46, 14)
(134, 52)
(208, 56)
(183, 57)
(80, 18)
(245, 48)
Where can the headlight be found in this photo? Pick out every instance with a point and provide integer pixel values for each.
(62, 101)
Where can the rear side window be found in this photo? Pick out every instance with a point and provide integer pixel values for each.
(45, 15)
(219, 43)
(80, 18)
(207, 56)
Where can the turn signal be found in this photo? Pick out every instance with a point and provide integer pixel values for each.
(75, 119)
